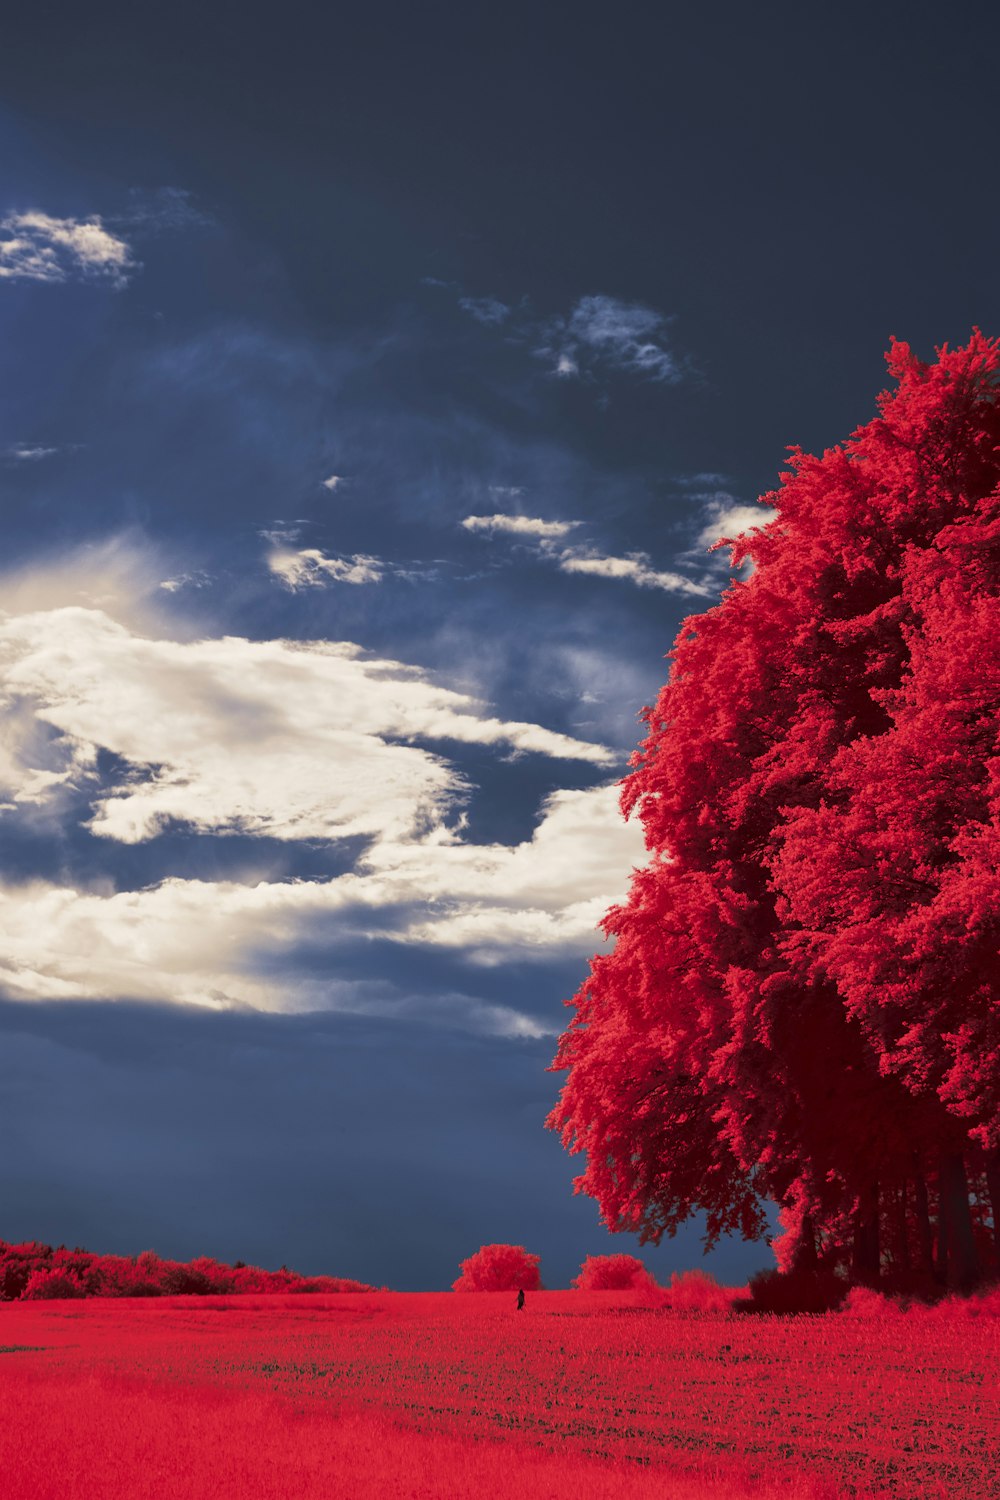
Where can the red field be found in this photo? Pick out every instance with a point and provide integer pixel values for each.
(449, 1395)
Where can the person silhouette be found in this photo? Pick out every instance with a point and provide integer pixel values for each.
(520, 1299)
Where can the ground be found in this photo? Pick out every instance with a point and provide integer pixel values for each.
(452, 1395)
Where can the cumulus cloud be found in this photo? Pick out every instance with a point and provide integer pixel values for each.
(36, 246)
(727, 517)
(197, 941)
(522, 526)
(332, 482)
(311, 568)
(290, 740)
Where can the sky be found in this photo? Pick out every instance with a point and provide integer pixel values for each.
(374, 383)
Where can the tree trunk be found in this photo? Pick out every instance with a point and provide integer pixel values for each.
(925, 1234)
(867, 1261)
(957, 1242)
(903, 1262)
(805, 1258)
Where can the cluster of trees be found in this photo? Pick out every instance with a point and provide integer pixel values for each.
(802, 1003)
(34, 1271)
(510, 1268)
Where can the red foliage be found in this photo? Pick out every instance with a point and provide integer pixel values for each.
(499, 1268)
(802, 999)
(36, 1272)
(613, 1273)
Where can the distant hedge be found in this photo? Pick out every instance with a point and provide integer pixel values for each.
(32, 1272)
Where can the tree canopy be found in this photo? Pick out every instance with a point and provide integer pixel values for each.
(802, 1002)
(499, 1268)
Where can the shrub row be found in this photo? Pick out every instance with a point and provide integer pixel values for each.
(33, 1271)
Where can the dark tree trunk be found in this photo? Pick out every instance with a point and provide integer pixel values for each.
(805, 1258)
(925, 1234)
(957, 1248)
(902, 1257)
(867, 1261)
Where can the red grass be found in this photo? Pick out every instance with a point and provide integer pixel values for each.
(590, 1393)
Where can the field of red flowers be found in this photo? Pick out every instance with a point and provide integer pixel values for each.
(453, 1395)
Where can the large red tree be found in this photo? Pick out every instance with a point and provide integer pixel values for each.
(803, 998)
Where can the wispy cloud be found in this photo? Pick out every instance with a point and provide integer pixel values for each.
(489, 310)
(199, 580)
(36, 246)
(332, 482)
(635, 568)
(312, 568)
(599, 336)
(624, 335)
(164, 208)
(522, 526)
(27, 454)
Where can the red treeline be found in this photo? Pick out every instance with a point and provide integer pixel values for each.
(803, 1000)
(32, 1271)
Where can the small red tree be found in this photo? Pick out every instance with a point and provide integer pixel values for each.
(612, 1273)
(499, 1268)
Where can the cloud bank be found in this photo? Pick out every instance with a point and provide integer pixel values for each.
(133, 734)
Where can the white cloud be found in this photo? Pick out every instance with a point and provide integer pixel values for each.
(333, 482)
(729, 518)
(487, 310)
(523, 526)
(311, 568)
(635, 568)
(35, 246)
(566, 368)
(197, 941)
(288, 739)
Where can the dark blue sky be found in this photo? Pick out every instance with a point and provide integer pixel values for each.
(374, 380)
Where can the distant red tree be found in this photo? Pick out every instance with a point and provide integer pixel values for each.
(612, 1273)
(802, 1002)
(499, 1268)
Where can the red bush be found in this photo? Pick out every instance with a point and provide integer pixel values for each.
(697, 1291)
(499, 1268)
(613, 1273)
(49, 1285)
